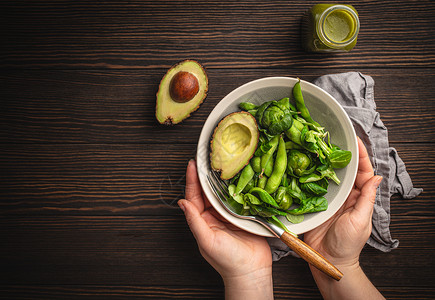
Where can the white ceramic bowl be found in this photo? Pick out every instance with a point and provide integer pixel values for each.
(323, 108)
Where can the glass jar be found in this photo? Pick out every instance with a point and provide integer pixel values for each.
(330, 28)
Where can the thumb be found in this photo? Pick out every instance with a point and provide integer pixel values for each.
(199, 227)
(366, 200)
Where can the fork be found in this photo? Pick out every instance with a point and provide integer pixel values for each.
(310, 255)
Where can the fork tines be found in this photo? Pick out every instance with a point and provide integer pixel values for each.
(219, 186)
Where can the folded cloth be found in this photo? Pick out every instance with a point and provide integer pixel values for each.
(354, 91)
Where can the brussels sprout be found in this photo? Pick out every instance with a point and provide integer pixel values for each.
(297, 162)
(274, 117)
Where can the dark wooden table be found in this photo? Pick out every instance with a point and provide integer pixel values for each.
(89, 179)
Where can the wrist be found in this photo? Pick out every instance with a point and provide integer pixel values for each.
(348, 264)
(353, 285)
(348, 268)
(257, 284)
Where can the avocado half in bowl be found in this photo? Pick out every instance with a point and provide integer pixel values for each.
(323, 108)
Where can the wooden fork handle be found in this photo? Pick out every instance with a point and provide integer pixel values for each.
(311, 256)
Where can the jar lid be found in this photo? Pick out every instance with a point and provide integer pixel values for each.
(338, 26)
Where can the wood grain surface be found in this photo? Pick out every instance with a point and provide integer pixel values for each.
(89, 180)
(223, 34)
(119, 106)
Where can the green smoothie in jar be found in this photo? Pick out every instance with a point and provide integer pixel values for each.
(330, 28)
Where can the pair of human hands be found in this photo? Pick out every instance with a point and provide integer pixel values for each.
(235, 253)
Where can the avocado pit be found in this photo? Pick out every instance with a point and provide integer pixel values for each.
(183, 87)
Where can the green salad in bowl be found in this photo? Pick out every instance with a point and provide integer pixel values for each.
(287, 150)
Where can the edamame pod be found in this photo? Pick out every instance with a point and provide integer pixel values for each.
(246, 176)
(278, 168)
(300, 103)
(269, 167)
(268, 155)
(261, 183)
(249, 186)
(256, 164)
(247, 106)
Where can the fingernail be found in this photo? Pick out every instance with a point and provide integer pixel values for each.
(181, 205)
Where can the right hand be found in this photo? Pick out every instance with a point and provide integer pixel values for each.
(342, 237)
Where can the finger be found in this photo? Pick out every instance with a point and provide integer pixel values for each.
(193, 187)
(199, 227)
(351, 199)
(365, 169)
(366, 200)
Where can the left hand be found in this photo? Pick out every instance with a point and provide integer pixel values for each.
(233, 252)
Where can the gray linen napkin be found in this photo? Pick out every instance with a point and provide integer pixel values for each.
(354, 91)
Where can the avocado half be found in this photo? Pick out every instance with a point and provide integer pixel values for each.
(233, 144)
(181, 91)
